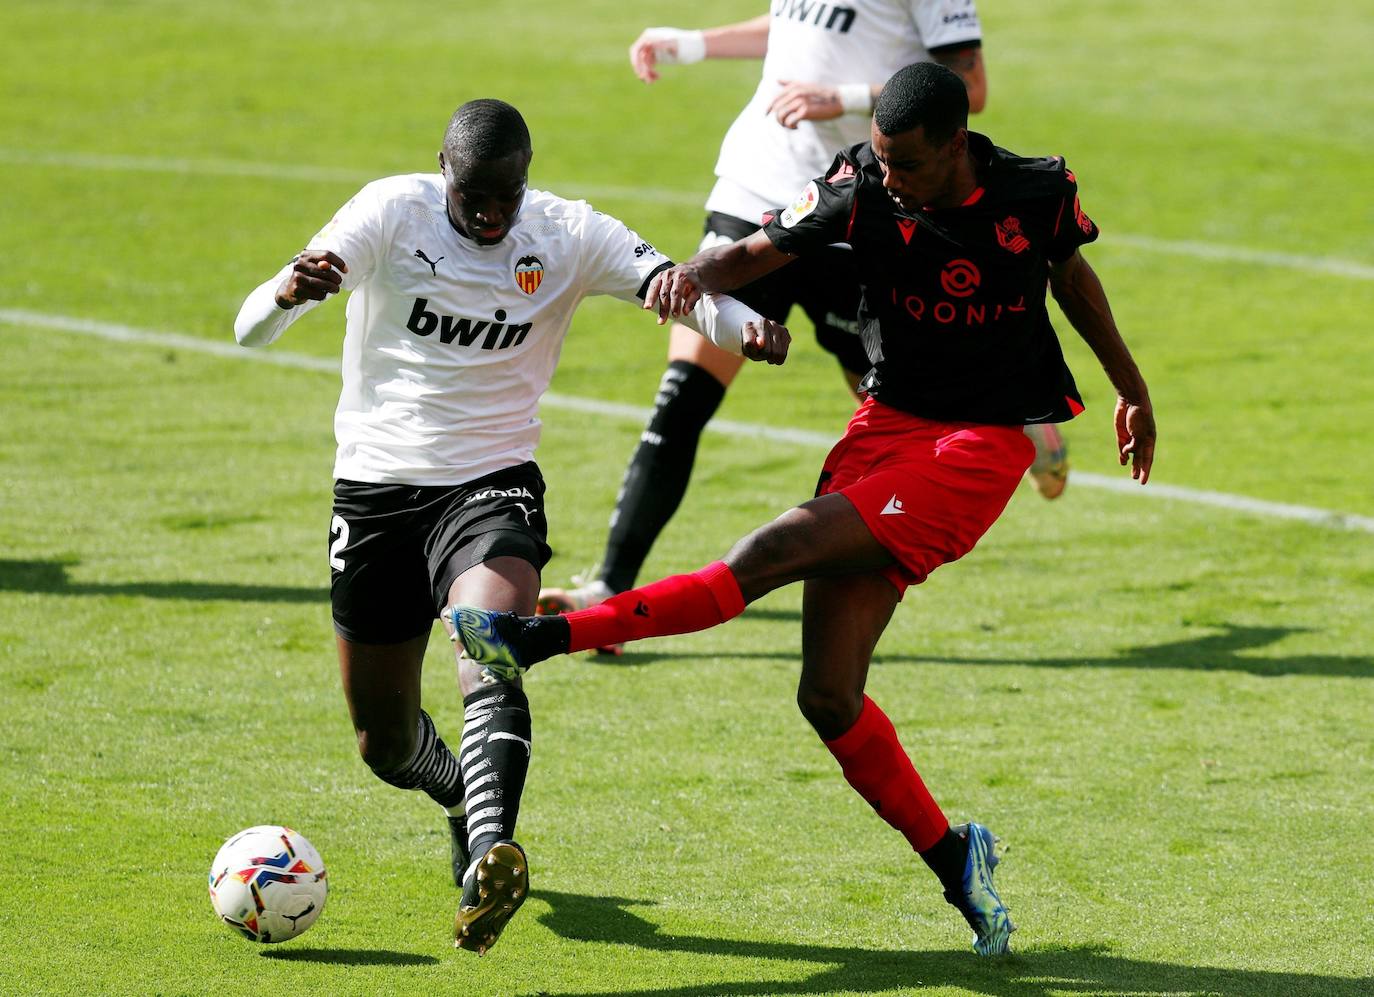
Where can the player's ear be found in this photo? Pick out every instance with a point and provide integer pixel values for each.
(443, 163)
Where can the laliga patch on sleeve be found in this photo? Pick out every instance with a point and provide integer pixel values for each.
(804, 204)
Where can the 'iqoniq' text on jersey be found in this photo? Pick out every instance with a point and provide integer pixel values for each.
(449, 344)
(953, 316)
(849, 41)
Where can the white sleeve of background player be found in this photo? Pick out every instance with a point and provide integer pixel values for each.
(946, 22)
(721, 319)
(354, 234)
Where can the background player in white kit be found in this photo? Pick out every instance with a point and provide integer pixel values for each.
(464, 284)
(823, 67)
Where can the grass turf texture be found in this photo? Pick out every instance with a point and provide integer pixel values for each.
(1163, 708)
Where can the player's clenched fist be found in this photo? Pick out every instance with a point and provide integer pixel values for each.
(674, 292)
(766, 341)
(314, 276)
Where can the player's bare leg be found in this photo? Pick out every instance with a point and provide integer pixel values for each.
(658, 473)
(396, 738)
(494, 756)
(842, 619)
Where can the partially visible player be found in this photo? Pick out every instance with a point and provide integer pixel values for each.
(957, 240)
(464, 285)
(822, 68)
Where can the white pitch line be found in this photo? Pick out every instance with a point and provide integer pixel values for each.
(636, 413)
(1331, 266)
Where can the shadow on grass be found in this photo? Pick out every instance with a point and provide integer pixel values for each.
(1212, 652)
(352, 957)
(50, 577)
(1038, 973)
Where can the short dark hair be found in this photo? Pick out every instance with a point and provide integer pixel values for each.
(485, 129)
(924, 94)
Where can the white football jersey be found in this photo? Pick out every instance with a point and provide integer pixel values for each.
(449, 344)
(762, 165)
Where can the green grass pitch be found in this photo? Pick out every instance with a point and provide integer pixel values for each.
(1165, 708)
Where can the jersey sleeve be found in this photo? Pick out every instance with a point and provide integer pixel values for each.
(615, 260)
(1071, 227)
(821, 214)
(946, 23)
(355, 234)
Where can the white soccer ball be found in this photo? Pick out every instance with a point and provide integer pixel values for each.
(268, 883)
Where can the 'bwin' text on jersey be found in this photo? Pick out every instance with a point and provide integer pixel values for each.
(495, 335)
(824, 15)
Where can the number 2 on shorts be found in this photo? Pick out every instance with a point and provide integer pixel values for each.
(337, 525)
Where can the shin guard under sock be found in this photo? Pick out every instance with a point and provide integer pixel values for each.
(874, 763)
(676, 605)
(495, 756)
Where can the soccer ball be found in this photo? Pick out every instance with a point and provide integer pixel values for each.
(268, 883)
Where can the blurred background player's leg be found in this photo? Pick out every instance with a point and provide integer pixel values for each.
(1049, 473)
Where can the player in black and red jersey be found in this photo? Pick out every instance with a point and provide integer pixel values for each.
(956, 241)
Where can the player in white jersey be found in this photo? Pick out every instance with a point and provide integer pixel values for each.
(463, 287)
(823, 65)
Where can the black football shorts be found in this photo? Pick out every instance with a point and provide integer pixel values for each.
(394, 550)
(825, 285)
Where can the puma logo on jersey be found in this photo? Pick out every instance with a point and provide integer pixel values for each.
(494, 335)
(433, 264)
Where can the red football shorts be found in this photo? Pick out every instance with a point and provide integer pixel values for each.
(926, 490)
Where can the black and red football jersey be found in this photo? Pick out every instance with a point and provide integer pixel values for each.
(954, 316)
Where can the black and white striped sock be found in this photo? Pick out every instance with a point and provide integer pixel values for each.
(432, 768)
(494, 756)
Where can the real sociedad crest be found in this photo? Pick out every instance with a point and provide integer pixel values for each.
(528, 273)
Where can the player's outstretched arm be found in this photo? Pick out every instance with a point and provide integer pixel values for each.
(676, 291)
(308, 279)
(679, 47)
(1076, 287)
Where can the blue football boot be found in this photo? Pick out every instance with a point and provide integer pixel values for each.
(978, 901)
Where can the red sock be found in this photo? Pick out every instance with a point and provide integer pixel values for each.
(874, 763)
(677, 605)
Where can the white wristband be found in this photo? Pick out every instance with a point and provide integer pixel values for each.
(676, 47)
(855, 98)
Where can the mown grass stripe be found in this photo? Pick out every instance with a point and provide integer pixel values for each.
(1211, 251)
(1326, 518)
